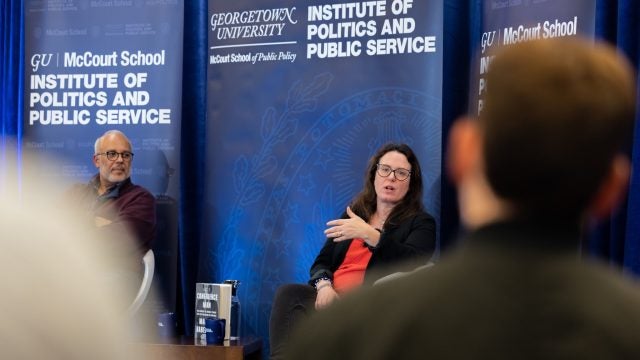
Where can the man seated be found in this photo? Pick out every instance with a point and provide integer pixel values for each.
(119, 211)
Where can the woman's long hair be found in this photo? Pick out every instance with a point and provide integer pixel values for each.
(364, 204)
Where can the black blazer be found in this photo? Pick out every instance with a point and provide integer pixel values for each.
(412, 239)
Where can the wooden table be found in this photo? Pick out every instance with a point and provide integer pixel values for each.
(248, 348)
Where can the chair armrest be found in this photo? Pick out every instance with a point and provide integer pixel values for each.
(149, 267)
(401, 274)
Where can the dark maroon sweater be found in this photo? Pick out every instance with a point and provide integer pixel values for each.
(130, 209)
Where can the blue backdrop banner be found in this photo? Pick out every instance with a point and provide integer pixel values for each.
(509, 22)
(300, 95)
(92, 66)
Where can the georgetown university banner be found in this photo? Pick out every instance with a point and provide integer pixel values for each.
(509, 22)
(300, 95)
(92, 66)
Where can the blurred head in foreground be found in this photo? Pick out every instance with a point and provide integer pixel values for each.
(53, 303)
(549, 141)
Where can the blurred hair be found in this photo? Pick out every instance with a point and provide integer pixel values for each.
(556, 112)
(365, 202)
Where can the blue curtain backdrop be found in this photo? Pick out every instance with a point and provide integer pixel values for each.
(618, 240)
(11, 55)
(616, 21)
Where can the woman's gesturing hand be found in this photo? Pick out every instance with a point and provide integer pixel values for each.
(351, 228)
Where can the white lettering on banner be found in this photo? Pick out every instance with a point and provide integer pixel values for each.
(249, 31)
(66, 99)
(334, 49)
(545, 30)
(40, 59)
(341, 30)
(252, 17)
(287, 56)
(352, 10)
(74, 81)
(142, 59)
(487, 40)
(59, 117)
(521, 33)
(251, 23)
(485, 62)
(134, 80)
(384, 46)
(333, 31)
(231, 58)
(401, 6)
(516, 34)
(335, 22)
(219, 59)
(240, 57)
(398, 26)
(131, 98)
(88, 59)
(271, 56)
(401, 45)
(133, 116)
(559, 29)
(70, 99)
(482, 85)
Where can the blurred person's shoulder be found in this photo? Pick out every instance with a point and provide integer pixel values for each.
(60, 269)
(457, 308)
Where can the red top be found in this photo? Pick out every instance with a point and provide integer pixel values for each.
(350, 274)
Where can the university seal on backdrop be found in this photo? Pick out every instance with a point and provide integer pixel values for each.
(325, 169)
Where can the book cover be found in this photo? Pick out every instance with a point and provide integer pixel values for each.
(212, 301)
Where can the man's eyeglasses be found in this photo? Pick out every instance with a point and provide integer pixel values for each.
(113, 155)
(399, 173)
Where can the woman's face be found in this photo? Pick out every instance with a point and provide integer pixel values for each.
(390, 190)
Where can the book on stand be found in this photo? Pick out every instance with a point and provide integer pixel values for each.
(212, 301)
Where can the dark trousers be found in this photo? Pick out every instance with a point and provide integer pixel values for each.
(291, 304)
